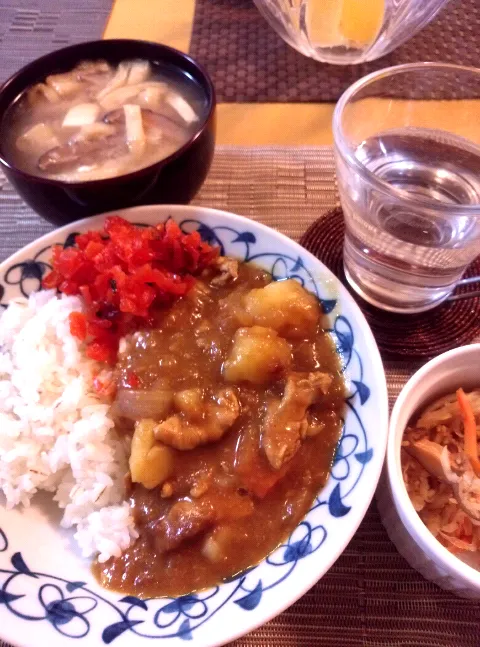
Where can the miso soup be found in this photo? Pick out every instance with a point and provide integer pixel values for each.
(99, 120)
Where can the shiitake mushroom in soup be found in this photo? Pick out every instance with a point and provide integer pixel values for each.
(99, 120)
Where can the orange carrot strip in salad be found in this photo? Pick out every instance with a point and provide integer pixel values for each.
(469, 430)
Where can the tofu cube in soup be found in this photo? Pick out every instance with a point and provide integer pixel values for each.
(37, 140)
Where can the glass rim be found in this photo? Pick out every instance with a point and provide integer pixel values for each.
(344, 149)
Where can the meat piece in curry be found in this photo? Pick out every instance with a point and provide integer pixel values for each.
(285, 424)
(234, 403)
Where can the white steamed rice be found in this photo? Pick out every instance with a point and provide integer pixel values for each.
(55, 431)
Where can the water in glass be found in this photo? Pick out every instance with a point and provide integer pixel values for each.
(402, 251)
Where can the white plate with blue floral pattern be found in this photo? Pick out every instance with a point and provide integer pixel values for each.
(48, 595)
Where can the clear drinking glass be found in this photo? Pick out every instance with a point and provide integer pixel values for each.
(408, 171)
(347, 31)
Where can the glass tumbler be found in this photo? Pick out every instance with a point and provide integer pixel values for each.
(407, 151)
(347, 31)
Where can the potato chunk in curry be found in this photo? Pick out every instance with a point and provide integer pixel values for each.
(284, 306)
(151, 463)
(258, 356)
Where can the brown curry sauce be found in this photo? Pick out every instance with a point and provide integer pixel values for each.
(231, 507)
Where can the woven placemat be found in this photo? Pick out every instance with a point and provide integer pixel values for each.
(249, 62)
(30, 28)
(370, 597)
(415, 336)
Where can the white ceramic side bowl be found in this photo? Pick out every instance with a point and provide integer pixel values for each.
(446, 373)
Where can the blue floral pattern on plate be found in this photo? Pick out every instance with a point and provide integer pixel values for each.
(72, 608)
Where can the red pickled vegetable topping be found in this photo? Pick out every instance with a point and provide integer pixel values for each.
(78, 325)
(124, 274)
